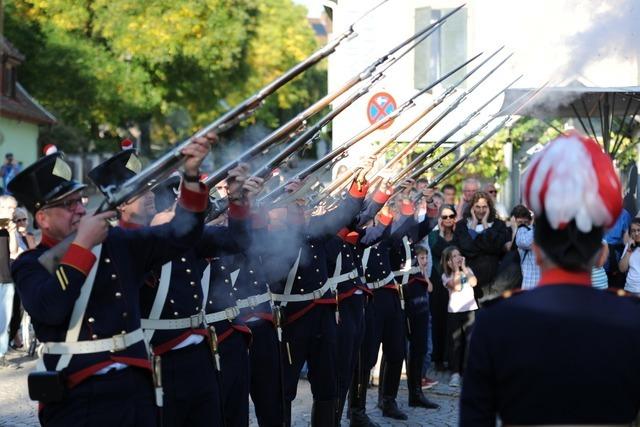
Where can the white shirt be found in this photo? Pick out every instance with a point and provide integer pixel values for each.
(633, 274)
(462, 300)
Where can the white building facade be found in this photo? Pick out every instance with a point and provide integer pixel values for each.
(556, 41)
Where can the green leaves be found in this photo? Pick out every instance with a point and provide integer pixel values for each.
(103, 66)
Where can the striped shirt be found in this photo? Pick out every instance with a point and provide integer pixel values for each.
(530, 270)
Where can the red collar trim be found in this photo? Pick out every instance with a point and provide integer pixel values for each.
(48, 241)
(558, 276)
(129, 225)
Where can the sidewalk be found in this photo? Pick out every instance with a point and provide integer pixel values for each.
(16, 410)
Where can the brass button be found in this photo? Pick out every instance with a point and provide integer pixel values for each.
(195, 296)
(188, 270)
(222, 267)
(183, 259)
(118, 295)
(315, 257)
(91, 320)
(125, 314)
(226, 280)
(210, 302)
(235, 289)
(192, 283)
(114, 277)
(123, 331)
(197, 308)
(175, 313)
(107, 260)
(317, 270)
(299, 278)
(250, 271)
(301, 290)
(255, 283)
(172, 301)
(94, 337)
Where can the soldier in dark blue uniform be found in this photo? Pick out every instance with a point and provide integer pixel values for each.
(254, 303)
(562, 353)
(86, 312)
(307, 301)
(409, 276)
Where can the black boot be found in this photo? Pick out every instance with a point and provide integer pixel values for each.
(323, 413)
(358, 399)
(390, 387)
(414, 382)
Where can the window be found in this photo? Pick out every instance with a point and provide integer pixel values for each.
(443, 50)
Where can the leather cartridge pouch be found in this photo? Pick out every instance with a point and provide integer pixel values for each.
(47, 386)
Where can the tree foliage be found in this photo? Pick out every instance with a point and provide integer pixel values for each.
(164, 67)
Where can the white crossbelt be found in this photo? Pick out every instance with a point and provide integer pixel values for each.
(380, 283)
(191, 322)
(115, 343)
(77, 314)
(310, 296)
(338, 278)
(228, 313)
(253, 301)
(406, 271)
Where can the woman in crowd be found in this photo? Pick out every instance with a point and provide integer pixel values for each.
(459, 281)
(22, 240)
(439, 239)
(630, 261)
(482, 238)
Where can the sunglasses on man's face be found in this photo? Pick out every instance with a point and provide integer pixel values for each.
(452, 216)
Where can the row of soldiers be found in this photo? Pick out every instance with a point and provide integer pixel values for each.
(163, 311)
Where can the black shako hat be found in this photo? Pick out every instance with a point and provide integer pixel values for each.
(43, 183)
(166, 193)
(115, 171)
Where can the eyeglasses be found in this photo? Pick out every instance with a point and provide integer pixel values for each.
(492, 191)
(452, 216)
(21, 219)
(69, 204)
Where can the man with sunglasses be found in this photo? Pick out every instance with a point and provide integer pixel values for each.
(95, 369)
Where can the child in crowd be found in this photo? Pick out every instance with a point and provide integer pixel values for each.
(459, 280)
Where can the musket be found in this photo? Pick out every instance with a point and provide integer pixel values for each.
(420, 158)
(339, 151)
(266, 170)
(453, 166)
(173, 159)
(347, 176)
(463, 158)
(422, 169)
(288, 128)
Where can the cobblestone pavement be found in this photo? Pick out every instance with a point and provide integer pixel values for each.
(16, 410)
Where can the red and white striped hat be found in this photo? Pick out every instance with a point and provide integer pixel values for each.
(572, 178)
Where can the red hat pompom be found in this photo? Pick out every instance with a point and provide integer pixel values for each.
(49, 149)
(126, 144)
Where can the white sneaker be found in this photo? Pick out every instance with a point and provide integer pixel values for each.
(455, 380)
